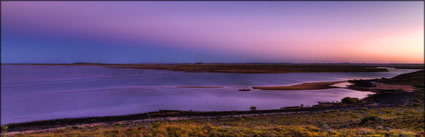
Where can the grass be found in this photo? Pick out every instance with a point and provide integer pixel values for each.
(348, 100)
(415, 78)
(393, 121)
(178, 130)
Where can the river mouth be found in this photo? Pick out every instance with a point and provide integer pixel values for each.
(51, 92)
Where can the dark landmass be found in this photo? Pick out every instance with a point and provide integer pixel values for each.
(253, 67)
(405, 89)
(85, 63)
(415, 78)
(406, 66)
(240, 68)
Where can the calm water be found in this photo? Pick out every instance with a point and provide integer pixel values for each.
(50, 92)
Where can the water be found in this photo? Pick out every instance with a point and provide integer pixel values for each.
(50, 92)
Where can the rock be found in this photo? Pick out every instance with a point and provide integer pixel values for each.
(244, 89)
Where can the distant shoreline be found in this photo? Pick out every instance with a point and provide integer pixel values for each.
(251, 68)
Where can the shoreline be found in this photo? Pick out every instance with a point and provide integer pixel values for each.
(302, 86)
(381, 98)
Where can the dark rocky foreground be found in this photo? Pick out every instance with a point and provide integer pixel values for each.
(399, 96)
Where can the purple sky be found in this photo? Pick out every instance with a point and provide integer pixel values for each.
(189, 31)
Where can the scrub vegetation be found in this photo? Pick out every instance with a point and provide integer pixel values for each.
(391, 121)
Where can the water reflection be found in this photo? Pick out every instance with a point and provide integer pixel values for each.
(50, 92)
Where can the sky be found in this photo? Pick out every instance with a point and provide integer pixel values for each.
(212, 31)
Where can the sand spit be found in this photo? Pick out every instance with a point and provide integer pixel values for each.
(303, 86)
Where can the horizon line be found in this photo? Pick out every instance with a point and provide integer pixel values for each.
(76, 63)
